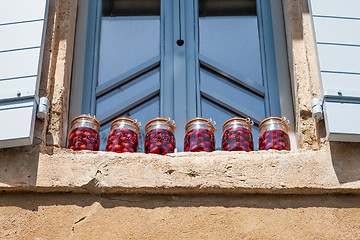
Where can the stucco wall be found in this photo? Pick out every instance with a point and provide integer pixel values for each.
(312, 192)
(81, 216)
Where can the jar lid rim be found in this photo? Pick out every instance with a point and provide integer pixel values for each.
(167, 120)
(88, 117)
(201, 119)
(282, 120)
(239, 119)
(136, 123)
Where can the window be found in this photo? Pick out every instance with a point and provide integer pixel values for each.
(133, 65)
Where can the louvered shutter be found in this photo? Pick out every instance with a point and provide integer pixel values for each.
(22, 24)
(336, 26)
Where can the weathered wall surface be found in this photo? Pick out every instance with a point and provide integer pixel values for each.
(46, 189)
(80, 216)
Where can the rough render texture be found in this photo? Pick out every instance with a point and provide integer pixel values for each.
(206, 195)
(183, 173)
(81, 216)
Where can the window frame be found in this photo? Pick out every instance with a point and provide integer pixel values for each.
(276, 62)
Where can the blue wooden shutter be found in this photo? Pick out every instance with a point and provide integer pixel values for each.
(336, 26)
(22, 24)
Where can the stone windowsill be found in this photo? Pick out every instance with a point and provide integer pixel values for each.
(217, 172)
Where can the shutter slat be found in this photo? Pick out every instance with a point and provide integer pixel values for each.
(22, 32)
(341, 59)
(19, 63)
(18, 128)
(336, 8)
(349, 82)
(337, 118)
(341, 31)
(21, 10)
(16, 33)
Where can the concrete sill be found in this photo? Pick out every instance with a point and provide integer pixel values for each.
(260, 172)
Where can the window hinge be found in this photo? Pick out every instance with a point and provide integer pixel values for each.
(43, 107)
(317, 109)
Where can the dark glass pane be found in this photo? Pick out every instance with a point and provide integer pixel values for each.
(142, 113)
(131, 7)
(220, 115)
(209, 8)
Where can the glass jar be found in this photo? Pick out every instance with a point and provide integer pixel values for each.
(237, 135)
(199, 135)
(274, 134)
(124, 136)
(84, 134)
(159, 136)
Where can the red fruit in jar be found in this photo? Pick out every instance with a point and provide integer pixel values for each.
(90, 147)
(123, 140)
(162, 141)
(83, 147)
(78, 133)
(242, 148)
(194, 148)
(241, 142)
(117, 147)
(79, 139)
(274, 139)
(71, 135)
(199, 140)
(276, 147)
(155, 150)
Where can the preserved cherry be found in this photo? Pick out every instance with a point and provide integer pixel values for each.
(84, 134)
(159, 137)
(237, 135)
(274, 134)
(199, 135)
(123, 136)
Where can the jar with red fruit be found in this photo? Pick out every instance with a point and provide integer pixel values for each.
(159, 136)
(237, 135)
(84, 134)
(199, 135)
(124, 136)
(274, 134)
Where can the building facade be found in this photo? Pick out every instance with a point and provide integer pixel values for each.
(305, 50)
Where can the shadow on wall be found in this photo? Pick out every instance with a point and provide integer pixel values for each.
(34, 201)
(346, 161)
(19, 166)
(296, 9)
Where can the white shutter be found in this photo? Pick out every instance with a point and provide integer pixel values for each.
(336, 26)
(22, 31)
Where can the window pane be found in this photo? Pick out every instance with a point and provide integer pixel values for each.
(220, 116)
(232, 91)
(209, 8)
(229, 34)
(142, 113)
(127, 91)
(131, 7)
(130, 35)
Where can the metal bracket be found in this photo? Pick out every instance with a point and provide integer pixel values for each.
(43, 107)
(317, 109)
